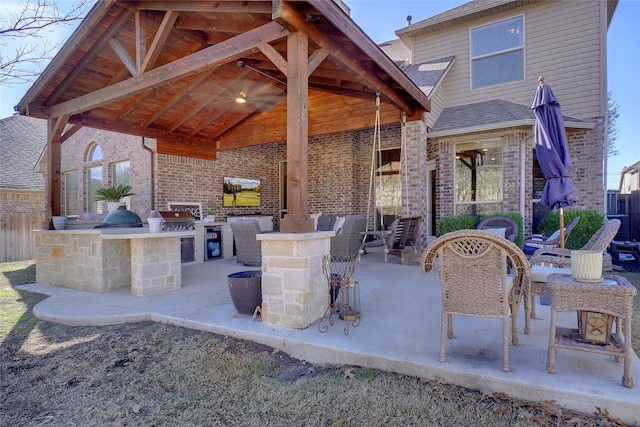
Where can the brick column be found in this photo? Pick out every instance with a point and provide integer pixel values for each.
(295, 293)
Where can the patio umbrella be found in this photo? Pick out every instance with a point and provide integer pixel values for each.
(553, 153)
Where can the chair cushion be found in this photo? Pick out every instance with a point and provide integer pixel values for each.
(339, 224)
(539, 273)
(497, 231)
(325, 222)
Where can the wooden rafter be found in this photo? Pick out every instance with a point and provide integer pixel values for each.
(203, 60)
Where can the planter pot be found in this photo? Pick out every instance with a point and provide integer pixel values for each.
(210, 218)
(59, 222)
(245, 289)
(154, 224)
(113, 206)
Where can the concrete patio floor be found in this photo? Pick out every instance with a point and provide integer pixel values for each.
(399, 332)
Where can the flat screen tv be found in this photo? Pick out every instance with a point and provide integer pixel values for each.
(239, 192)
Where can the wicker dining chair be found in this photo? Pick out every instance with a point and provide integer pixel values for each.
(502, 225)
(473, 267)
(248, 247)
(531, 245)
(546, 261)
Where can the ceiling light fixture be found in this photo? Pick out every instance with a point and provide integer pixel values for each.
(242, 97)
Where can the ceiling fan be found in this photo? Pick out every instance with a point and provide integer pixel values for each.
(252, 91)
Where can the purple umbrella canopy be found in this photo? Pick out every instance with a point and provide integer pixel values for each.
(552, 150)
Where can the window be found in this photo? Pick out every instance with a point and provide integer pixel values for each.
(94, 181)
(95, 153)
(71, 193)
(478, 177)
(94, 177)
(497, 53)
(120, 173)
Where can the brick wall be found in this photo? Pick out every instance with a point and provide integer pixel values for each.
(21, 201)
(586, 153)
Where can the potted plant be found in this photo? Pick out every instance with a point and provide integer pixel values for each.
(113, 195)
(213, 209)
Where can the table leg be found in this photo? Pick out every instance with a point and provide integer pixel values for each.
(551, 357)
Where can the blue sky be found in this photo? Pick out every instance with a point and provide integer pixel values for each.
(381, 18)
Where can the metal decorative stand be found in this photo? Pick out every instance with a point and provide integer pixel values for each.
(338, 271)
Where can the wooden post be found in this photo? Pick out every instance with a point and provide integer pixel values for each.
(297, 219)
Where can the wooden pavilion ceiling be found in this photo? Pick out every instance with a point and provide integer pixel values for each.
(169, 70)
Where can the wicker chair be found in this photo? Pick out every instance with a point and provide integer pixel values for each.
(558, 260)
(473, 268)
(347, 241)
(530, 246)
(510, 227)
(248, 248)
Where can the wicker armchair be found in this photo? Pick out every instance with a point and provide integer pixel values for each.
(510, 227)
(347, 241)
(530, 246)
(248, 248)
(558, 260)
(473, 267)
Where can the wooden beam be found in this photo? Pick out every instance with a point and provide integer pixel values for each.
(131, 129)
(316, 58)
(141, 39)
(124, 56)
(203, 60)
(206, 6)
(274, 56)
(88, 57)
(333, 13)
(213, 25)
(159, 40)
(55, 127)
(297, 217)
(290, 17)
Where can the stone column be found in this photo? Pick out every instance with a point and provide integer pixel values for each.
(155, 265)
(295, 293)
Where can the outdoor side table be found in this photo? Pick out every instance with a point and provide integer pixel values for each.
(613, 296)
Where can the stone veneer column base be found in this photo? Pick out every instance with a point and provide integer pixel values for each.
(155, 266)
(294, 289)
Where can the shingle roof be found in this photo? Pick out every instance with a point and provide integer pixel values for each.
(428, 74)
(396, 50)
(495, 112)
(22, 140)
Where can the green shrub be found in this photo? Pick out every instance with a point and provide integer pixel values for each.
(454, 223)
(590, 222)
(514, 216)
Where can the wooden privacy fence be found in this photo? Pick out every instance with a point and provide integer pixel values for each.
(16, 235)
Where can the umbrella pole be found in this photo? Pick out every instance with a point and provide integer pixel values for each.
(561, 227)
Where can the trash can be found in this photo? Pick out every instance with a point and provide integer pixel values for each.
(245, 289)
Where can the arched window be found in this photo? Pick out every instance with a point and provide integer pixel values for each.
(94, 177)
(95, 153)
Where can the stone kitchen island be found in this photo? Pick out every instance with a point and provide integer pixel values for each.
(101, 260)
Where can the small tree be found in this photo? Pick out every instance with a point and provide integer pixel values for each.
(613, 131)
(24, 46)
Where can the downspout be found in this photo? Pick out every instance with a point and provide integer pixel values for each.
(151, 173)
(523, 153)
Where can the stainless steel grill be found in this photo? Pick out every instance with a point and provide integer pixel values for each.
(177, 220)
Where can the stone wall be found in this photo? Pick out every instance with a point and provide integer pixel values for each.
(82, 260)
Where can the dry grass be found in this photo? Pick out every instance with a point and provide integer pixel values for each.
(148, 374)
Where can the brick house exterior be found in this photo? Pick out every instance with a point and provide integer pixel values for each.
(438, 62)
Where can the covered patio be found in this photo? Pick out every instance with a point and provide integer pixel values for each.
(398, 332)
